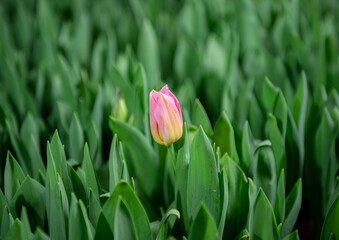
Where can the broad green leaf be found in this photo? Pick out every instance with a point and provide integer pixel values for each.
(13, 176)
(224, 197)
(247, 148)
(90, 175)
(278, 146)
(123, 224)
(300, 104)
(59, 161)
(148, 53)
(3, 204)
(15, 232)
(293, 205)
(6, 222)
(269, 94)
(103, 229)
(331, 221)
(238, 200)
(163, 228)
(200, 117)
(94, 208)
(292, 236)
(40, 235)
(224, 137)
(55, 215)
(265, 171)
(76, 139)
(114, 165)
(279, 207)
(78, 186)
(26, 228)
(144, 158)
(32, 195)
(203, 181)
(203, 226)
(76, 225)
(169, 176)
(138, 215)
(94, 141)
(281, 111)
(181, 174)
(263, 224)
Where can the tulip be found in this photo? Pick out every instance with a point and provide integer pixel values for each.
(165, 116)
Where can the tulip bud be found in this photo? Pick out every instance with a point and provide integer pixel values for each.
(165, 116)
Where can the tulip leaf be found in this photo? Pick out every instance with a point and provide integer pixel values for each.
(265, 171)
(279, 207)
(94, 208)
(123, 224)
(224, 197)
(55, 215)
(148, 53)
(263, 224)
(78, 186)
(76, 224)
(32, 195)
(90, 176)
(59, 161)
(293, 205)
(13, 176)
(76, 139)
(200, 117)
(292, 236)
(144, 159)
(224, 137)
(238, 200)
(163, 228)
(331, 221)
(202, 172)
(203, 226)
(138, 215)
(181, 174)
(247, 148)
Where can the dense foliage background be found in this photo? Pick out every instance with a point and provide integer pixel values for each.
(258, 84)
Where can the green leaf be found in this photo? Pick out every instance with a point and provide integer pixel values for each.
(32, 195)
(59, 161)
(181, 173)
(300, 104)
(139, 218)
(200, 117)
(163, 229)
(292, 236)
(331, 221)
(78, 186)
(55, 215)
(13, 176)
(224, 137)
(76, 139)
(238, 200)
(203, 226)
(293, 205)
(203, 182)
(148, 53)
(90, 176)
(94, 208)
(279, 207)
(123, 224)
(263, 224)
(15, 231)
(3, 204)
(265, 171)
(247, 148)
(224, 197)
(26, 228)
(78, 227)
(278, 146)
(114, 165)
(6, 222)
(144, 158)
(40, 235)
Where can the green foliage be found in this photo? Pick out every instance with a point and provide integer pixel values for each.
(258, 86)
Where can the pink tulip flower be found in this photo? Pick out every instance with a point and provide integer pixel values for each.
(165, 116)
